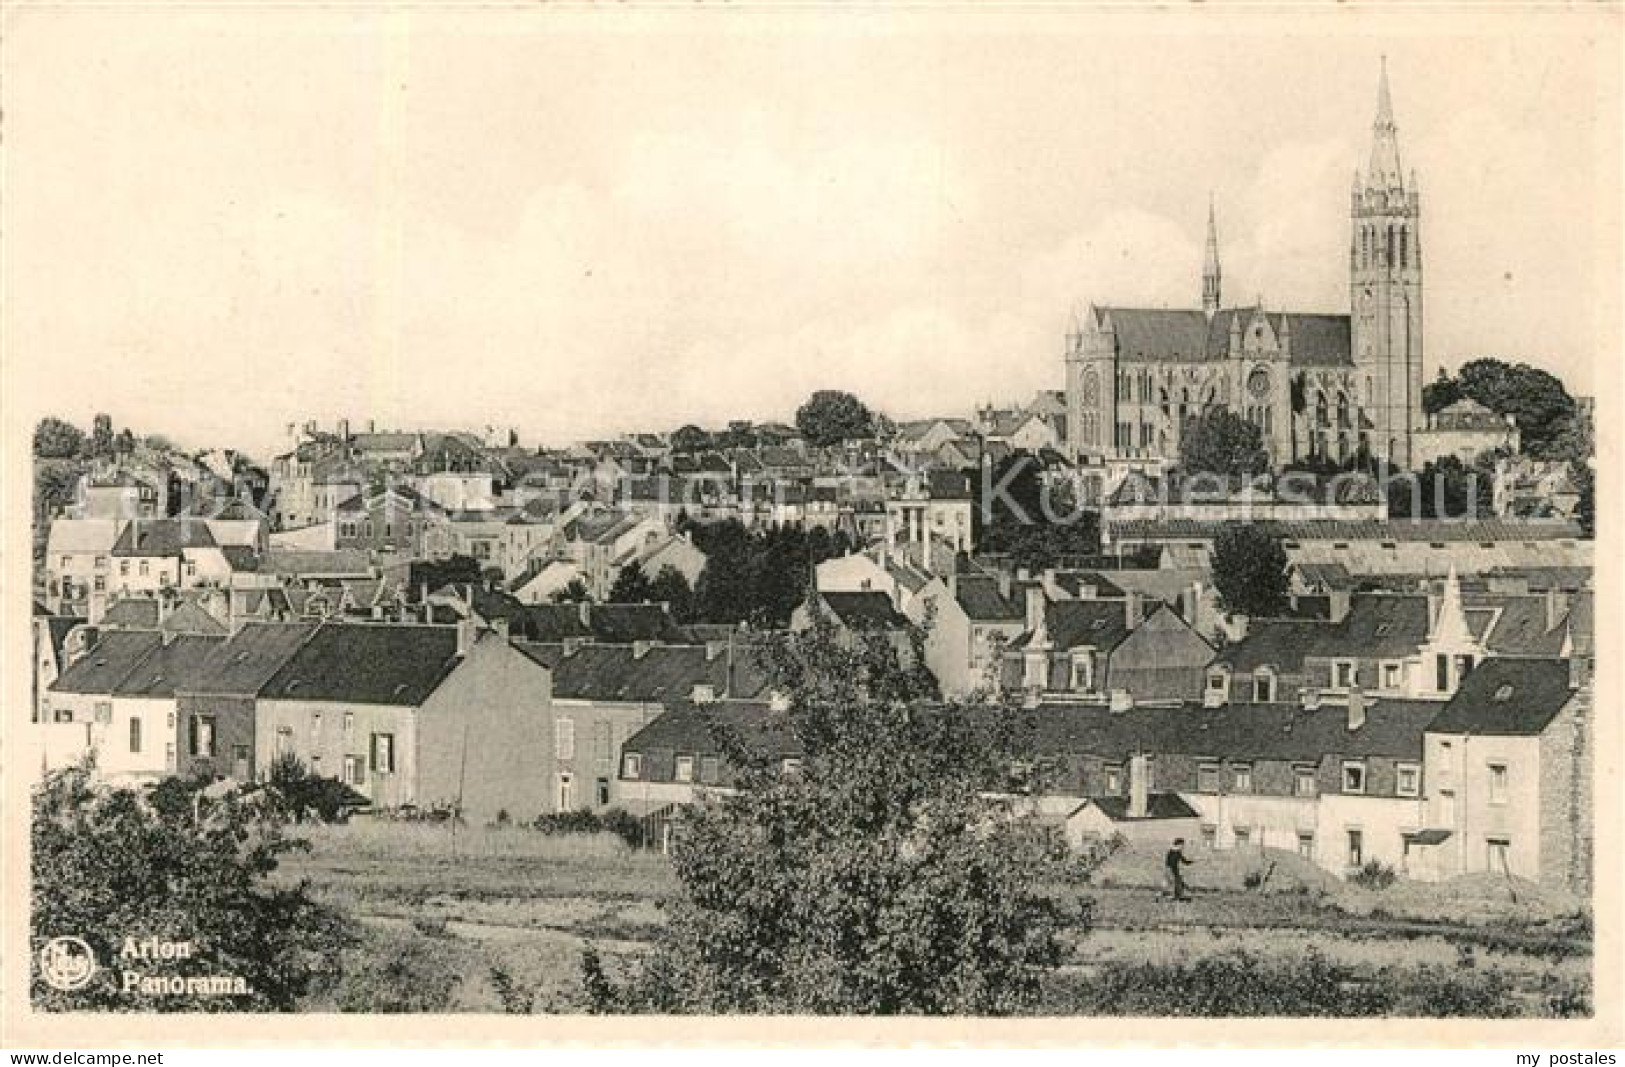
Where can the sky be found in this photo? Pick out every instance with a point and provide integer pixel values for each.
(581, 223)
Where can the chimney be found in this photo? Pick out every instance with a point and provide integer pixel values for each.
(571, 645)
(703, 693)
(713, 649)
(500, 625)
(1139, 789)
(1121, 700)
(344, 429)
(1356, 708)
(1557, 607)
(95, 608)
(465, 636)
(641, 648)
(1580, 667)
(1311, 699)
(778, 701)
(1133, 610)
(1004, 583)
(1337, 605)
(584, 611)
(1035, 608)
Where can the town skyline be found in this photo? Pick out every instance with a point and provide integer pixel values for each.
(922, 248)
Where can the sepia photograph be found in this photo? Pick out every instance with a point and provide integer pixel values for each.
(1061, 516)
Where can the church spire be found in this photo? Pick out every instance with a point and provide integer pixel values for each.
(1384, 172)
(1210, 267)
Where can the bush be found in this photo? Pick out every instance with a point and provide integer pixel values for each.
(617, 821)
(1235, 983)
(1374, 875)
(392, 973)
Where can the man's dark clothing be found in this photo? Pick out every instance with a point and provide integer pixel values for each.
(1173, 861)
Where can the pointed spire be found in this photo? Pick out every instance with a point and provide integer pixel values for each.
(1450, 624)
(1210, 266)
(1384, 171)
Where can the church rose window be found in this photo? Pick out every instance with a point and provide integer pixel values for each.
(1258, 383)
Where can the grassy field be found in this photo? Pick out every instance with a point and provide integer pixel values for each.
(495, 920)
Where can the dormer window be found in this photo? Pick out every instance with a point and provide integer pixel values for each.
(1264, 686)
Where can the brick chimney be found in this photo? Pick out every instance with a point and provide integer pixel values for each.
(1357, 706)
(584, 611)
(1035, 603)
(641, 648)
(1139, 786)
(1133, 610)
(465, 636)
(500, 626)
(1121, 700)
(1557, 607)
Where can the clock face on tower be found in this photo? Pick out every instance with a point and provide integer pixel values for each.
(1258, 382)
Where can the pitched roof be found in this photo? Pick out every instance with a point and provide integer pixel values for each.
(162, 537)
(864, 610)
(1277, 643)
(1158, 806)
(1099, 624)
(623, 674)
(1445, 530)
(1523, 626)
(315, 562)
(367, 663)
(169, 667)
(980, 598)
(696, 728)
(1506, 697)
(246, 661)
(108, 662)
(1188, 335)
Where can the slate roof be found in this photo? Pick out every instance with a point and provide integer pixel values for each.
(131, 613)
(162, 537)
(688, 727)
(169, 667)
(1186, 335)
(1075, 583)
(1352, 529)
(246, 661)
(864, 610)
(618, 673)
(108, 662)
(1099, 624)
(982, 601)
(1157, 806)
(948, 484)
(367, 663)
(1277, 643)
(1522, 627)
(606, 623)
(315, 562)
(1506, 698)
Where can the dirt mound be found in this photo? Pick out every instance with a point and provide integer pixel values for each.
(1268, 870)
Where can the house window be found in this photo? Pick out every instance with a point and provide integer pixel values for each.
(632, 765)
(1390, 676)
(101, 563)
(1306, 844)
(316, 766)
(603, 746)
(383, 753)
(710, 769)
(1207, 778)
(191, 568)
(135, 734)
(684, 771)
(101, 584)
(1497, 851)
(143, 567)
(1242, 777)
(67, 561)
(1264, 685)
(1210, 835)
(1498, 783)
(1305, 781)
(1441, 672)
(564, 739)
(284, 740)
(1408, 780)
(241, 762)
(567, 792)
(1354, 776)
(355, 770)
(315, 726)
(349, 725)
(1218, 681)
(1356, 848)
(104, 711)
(124, 568)
(1243, 835)
(1114, 779)
(203, 735)
(62, 715)
(1343, 674)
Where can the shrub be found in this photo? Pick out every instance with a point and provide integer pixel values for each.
(392, 973)
(1229, 984)
(617, 821)
(1374, 875)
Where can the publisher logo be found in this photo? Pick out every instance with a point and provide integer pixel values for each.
(67, 963)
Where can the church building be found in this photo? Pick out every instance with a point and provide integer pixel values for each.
(1331, 386)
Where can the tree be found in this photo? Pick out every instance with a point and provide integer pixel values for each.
(1249, 571)
(55, 482)
(1445, 488)
(631, 586)
(1440, 393)
(690, 439)
(1218, 441)
(111, 864)
(877, 878)
(124, 443)
(1037, 525)
(1537, 399)
(831, 416)
(55, 438)
(669, 586)
(575, 592)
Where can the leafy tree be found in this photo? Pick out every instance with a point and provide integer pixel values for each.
(576, 592)
(298, 794)
(55, 438)
(831, 416)
(1445, 488)
(1249, 571)
(109, 864)
(1536, 398)
(55, 482)
(124, 443)
(456, 570)
(875, 879)
(670, 586)
(1218, 441)
(631, 586)
(1440, 393)
(1037, 526)
(690, 439)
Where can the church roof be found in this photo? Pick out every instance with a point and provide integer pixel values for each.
(1187, 335)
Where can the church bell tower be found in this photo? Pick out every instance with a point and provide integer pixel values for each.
(1385, 294)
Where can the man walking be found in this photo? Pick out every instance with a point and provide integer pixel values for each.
(1176, 859)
